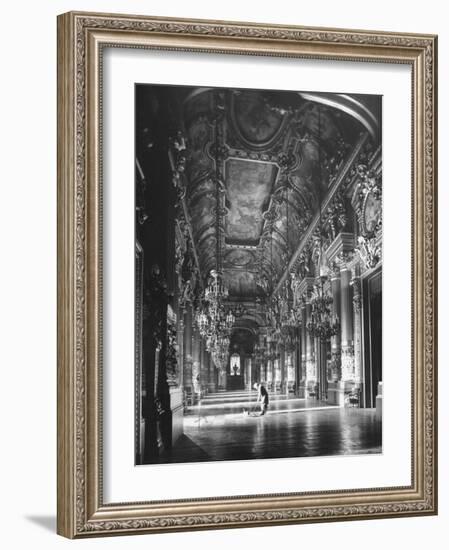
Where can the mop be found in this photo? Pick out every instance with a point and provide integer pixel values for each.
(251, 411)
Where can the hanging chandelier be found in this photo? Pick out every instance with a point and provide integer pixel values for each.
(213, 316)
(323, 323)
(215, 291)
(214, 320)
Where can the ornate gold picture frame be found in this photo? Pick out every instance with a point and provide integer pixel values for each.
(82, 509)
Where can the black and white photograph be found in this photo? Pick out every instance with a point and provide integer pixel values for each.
(258, 274)
(223, 238)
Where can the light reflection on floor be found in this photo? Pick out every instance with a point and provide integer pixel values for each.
(220, 429)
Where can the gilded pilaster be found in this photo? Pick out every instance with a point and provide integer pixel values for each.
(357, 308)
(335, 281)
(196, 380)
(347, 342)
(188, 341)
(310, 350)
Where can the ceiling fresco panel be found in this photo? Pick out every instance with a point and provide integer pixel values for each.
(256, 123)
(238, 257)
(248, 188)
(240, 282)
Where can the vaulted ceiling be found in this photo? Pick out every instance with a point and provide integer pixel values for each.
(266, 159)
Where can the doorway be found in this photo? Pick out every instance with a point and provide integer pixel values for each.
(372, 317)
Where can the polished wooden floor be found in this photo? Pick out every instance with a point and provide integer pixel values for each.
(218, 429)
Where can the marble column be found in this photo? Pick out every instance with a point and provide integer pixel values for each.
(303, 351)
(277, 373)
(321, 359)
(274, 370)
(347, 344)
(204, 371)
(188, 333)
(290, 370)
(269, 373)
(283, 368)
(211, 384)
(310, 353)
(180, 336)
(357, 307)
(336, 312)
(196, 363)
(261, 375)
(297, 361)
(249, 378)
(222, 379)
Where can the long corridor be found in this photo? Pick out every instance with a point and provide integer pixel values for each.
(258, 260)
(227, 426)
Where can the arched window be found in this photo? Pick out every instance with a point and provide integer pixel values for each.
(235, 364)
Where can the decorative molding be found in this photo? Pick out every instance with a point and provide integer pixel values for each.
(367, 199)
(311, 368)
(75, 266)
(336, 217)
(347, 363)
(342, 245)
(177, 155)
(370, 251)
(236, 519)
(335, 365)
(304, 288)
(342, 180)
(357, 294)
(250, 30)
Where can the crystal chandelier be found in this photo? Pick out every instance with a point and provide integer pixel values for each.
(213, 319)
(323, 323)
(215, 291)
(213, 315)
(214, 322)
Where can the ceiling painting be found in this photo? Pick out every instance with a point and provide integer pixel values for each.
(268, 158)
(248, 189)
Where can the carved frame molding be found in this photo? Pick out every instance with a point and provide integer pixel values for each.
(81, 37)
